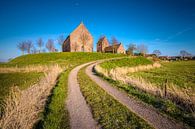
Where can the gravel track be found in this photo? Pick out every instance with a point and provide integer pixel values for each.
(152, 116)
(80, 114)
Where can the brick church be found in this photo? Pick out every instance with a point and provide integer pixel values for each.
(80, 40)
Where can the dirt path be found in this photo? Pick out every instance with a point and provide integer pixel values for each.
(146, 112)
(80, 114)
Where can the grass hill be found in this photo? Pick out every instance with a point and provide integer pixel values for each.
(56, 114)
(61, 58)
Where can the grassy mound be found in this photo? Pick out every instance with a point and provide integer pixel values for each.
(125, 62)
(61, 58)
(56, 115)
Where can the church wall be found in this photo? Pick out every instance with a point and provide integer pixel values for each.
(66, 45)
(76, 42)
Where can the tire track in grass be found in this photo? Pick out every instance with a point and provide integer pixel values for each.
(149, 114)
(80, 114)
(109, 113)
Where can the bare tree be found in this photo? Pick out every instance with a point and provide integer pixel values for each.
(28, 46)
(130, 48)
(44, 50)
(157, 53)
(34, 50)
(50, 45)
(84, 38)
(40, 44)
(21, 46)
(60, 39)
(184, 53)
(114, 42)
(143, 49)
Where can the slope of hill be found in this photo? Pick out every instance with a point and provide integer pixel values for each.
(56, 115)
(61, 58)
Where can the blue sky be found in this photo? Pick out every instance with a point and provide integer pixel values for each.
(167, 25)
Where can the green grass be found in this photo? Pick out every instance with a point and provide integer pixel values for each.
(56, 115)
(109, 113)
(22, 80)
(164, 106)
(62, 58)
(125, 62)
(182, 74)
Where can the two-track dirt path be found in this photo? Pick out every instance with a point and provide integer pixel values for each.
(80, 114)
(148, 113)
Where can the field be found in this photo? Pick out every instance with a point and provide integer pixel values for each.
(22, 80)
(105, 109)
(109, 113)
(55, 114)
(125, 62)
(181, 74)
(181, 79)
(165, 106)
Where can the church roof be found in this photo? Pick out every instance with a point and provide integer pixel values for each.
(80, 26)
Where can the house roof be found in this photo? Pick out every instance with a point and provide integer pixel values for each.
(110, 48)
(102, 39)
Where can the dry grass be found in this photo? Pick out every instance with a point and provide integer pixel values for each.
(31, 68)
(122, 71)
(183, 97)
(22, 108)
(120, 74)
